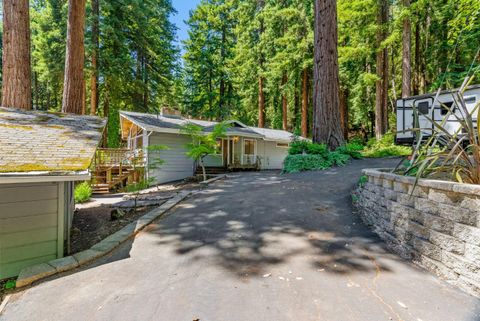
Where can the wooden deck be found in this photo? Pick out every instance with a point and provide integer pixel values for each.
(114, 169)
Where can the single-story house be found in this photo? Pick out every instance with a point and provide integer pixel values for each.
(243, 147)
(41, 156)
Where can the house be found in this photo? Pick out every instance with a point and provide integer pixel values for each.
(41, 156)
(244, 147)
(430, 107)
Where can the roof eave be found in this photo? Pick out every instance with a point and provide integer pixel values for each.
(42, 177)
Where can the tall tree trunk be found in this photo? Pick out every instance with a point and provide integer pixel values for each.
(304, 125)
(84, 97)
(406, 54)
(416, 77)
(344, 111)
(327, 127)
(284, 104)
(381, 99)
(74, 58)
(106, 112)
(95, 50)
(261, 80)
(16, 70)
(261, 103)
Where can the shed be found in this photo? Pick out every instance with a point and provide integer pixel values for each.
(42, 154)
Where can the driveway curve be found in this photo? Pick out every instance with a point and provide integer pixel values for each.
(257, 246)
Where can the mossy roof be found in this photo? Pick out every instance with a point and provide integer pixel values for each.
(59, 144)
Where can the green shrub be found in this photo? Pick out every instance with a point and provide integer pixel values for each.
(338, 158)
(385, 147)
(83, 192)
(298, 147)
(351, 149)
(299, 163)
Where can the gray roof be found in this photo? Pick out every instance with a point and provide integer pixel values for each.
(159, 123)
(51, 143)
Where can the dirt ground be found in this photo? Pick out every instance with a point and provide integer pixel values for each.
(92, 221)
(91, 225)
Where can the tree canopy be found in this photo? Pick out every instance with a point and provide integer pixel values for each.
(253, 59)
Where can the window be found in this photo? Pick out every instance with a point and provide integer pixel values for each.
(444, 110)
(423, 107)
(249, 147)
(470, 100)
(282, 145)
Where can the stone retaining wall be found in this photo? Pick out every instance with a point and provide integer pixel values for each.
(437, 224)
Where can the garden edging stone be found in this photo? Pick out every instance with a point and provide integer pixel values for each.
(37, 272)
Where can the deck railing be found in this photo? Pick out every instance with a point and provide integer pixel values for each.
(119, 156)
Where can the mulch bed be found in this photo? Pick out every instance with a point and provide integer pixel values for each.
(91, 225)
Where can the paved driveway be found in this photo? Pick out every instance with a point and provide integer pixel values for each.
(256, 247)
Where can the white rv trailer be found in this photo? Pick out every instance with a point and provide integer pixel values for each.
(425, 105)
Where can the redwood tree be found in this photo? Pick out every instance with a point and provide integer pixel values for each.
(16, 70)
(327, 126)
(95, 50)
(406, 53)
(74, 60)
(304, 121)
(381, 100)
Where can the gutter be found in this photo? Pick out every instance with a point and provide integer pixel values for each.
(41, 177)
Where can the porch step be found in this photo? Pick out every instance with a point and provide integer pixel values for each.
(100, 189)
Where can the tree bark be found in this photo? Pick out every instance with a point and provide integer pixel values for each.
(284, 104)
(261, 103)
(16, 71)
(406, 54)
(344, 111)
(327, 127)
(304, 124)
(381, 99)
(74, 58)
(261, 80)
(95, 51)
(416, 77)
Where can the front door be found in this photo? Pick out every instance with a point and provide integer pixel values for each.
(227, 152)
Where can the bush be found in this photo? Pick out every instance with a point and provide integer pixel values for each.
(83, 192)
(299, 163)
(306, 156)
(351, 149)
(385, 147)
(300, 147)
(338, 158)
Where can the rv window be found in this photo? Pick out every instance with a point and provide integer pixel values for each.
(470, 100)
(423, 108)
(448, 104)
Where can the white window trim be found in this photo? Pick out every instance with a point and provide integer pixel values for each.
(254, 146)
(279, 146)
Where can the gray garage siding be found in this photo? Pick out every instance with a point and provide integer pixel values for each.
(31, 225)
(177, 165)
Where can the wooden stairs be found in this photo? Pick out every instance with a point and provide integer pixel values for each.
(114, 169)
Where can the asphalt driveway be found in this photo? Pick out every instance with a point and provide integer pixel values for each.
(258, 246)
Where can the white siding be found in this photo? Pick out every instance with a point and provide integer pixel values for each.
(177, 164)
(272, 156)
(31, 225)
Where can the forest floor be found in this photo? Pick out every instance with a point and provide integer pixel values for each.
(256, 246)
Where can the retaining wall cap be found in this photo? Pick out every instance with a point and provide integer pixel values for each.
(423, 182)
